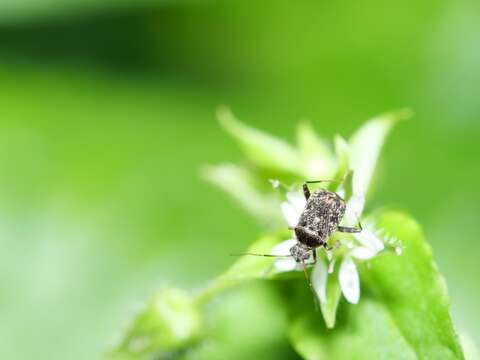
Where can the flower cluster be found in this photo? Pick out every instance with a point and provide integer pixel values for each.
(365, 246)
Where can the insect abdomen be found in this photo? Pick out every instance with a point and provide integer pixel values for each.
(323, 212)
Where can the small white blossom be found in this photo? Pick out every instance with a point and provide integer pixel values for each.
(370, 240)
(362, 253)
(349, 280)
(331, 266)
(354, 209)
(275, 183)
(293, 208)
(366, 246)
(283, 249)
(319, 280)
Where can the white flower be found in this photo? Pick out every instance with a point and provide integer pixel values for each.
(365, 247)
(349, 280)
(283, 249)
(370, 243)
(319, 280)
(354, 209)
(293, 208)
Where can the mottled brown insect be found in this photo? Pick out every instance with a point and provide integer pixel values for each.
(320, 218)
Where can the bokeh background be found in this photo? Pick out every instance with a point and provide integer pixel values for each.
(107, 112)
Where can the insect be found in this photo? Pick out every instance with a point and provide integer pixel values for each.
(323, 212)
(320, 218)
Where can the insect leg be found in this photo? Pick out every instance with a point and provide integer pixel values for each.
(306, 191)
(314, 252)
(348, 229)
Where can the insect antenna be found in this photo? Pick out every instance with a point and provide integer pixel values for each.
(321, 181)
(305, 272)
(264, 255)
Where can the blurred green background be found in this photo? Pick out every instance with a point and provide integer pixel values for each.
(107, 114)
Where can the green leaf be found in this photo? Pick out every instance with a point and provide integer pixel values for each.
(342, 152)
(403, 312)
(248, 267)
(317, 157)
(365, 146)
(348, 185)
(170, 321)
(261, 148)
(334, 293)
(245, 322)
(27, 11)
(244, 187)
(369, 333)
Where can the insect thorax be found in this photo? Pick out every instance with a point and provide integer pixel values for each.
(323, 212)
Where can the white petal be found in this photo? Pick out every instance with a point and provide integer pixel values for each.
(349, 280)
(363, 253)
(284, 264)
(354, 209)
(319, 279)
(331, 266)
(369, 239)
(283, 248)
(290, 214)
(297, 200)
(329, 254)
(275, 183)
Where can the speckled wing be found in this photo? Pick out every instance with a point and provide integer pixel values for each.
(323, 212)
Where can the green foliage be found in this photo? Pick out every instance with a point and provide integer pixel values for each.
(248, 267)
(365, 146)
(104, 127)
(263, 150)
(333, 295)
(414, 292)
(316, 156)
(403, 312)
(248, 321)
(244, 187)
(31, 10)
(169, 322)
